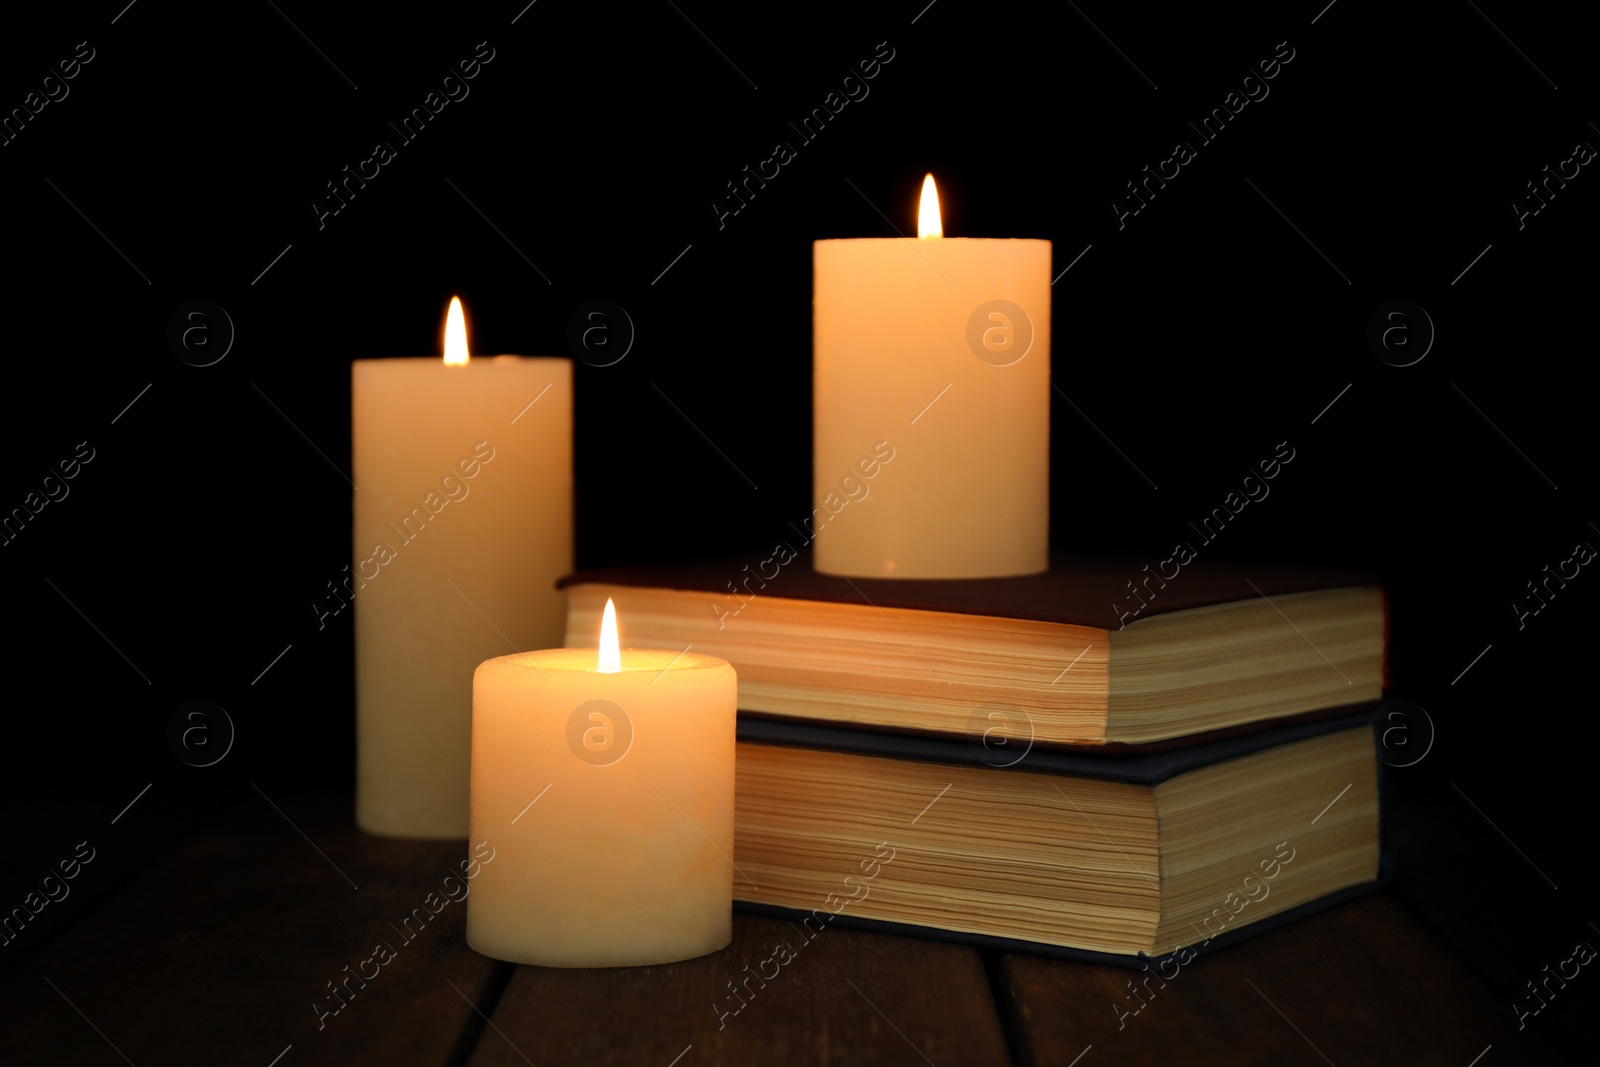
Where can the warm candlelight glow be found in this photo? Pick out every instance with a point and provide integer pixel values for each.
(957, 333)
(455, 335)
(610, 652)
(928, 222)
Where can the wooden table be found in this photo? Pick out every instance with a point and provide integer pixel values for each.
(206, 933)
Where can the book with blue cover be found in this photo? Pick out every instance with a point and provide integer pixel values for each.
(1162, 855)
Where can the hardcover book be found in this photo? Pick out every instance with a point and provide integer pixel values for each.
(1092, 652)
(1073, 854)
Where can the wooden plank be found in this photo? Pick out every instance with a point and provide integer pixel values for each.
(67, 854)
(842, 997)
(219, 953)
(1361, 983)
(1508, 897)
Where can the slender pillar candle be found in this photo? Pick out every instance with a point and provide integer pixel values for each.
(463, 523)
(606, 792)
(931, 389)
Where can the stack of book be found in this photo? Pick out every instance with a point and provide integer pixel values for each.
(1097, 761)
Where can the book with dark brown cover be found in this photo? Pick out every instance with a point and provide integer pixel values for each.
(1077, 590)
(1104, 592)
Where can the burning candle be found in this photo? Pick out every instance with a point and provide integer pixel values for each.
(935, 352)
(603, 780)
(463, 523)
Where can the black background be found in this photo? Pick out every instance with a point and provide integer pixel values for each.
(1197, 336)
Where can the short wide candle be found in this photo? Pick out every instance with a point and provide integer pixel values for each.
(931, 451)
(608, 798)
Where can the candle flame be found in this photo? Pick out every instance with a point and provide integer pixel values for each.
(928, 221)
(610, 653)
(455, 335)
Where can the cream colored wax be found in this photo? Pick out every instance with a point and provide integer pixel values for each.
(934, 352)
(608, 799)
(463, 523)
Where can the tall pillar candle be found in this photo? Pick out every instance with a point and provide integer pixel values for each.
(606, 792)
(463, 523)
(931, 389)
